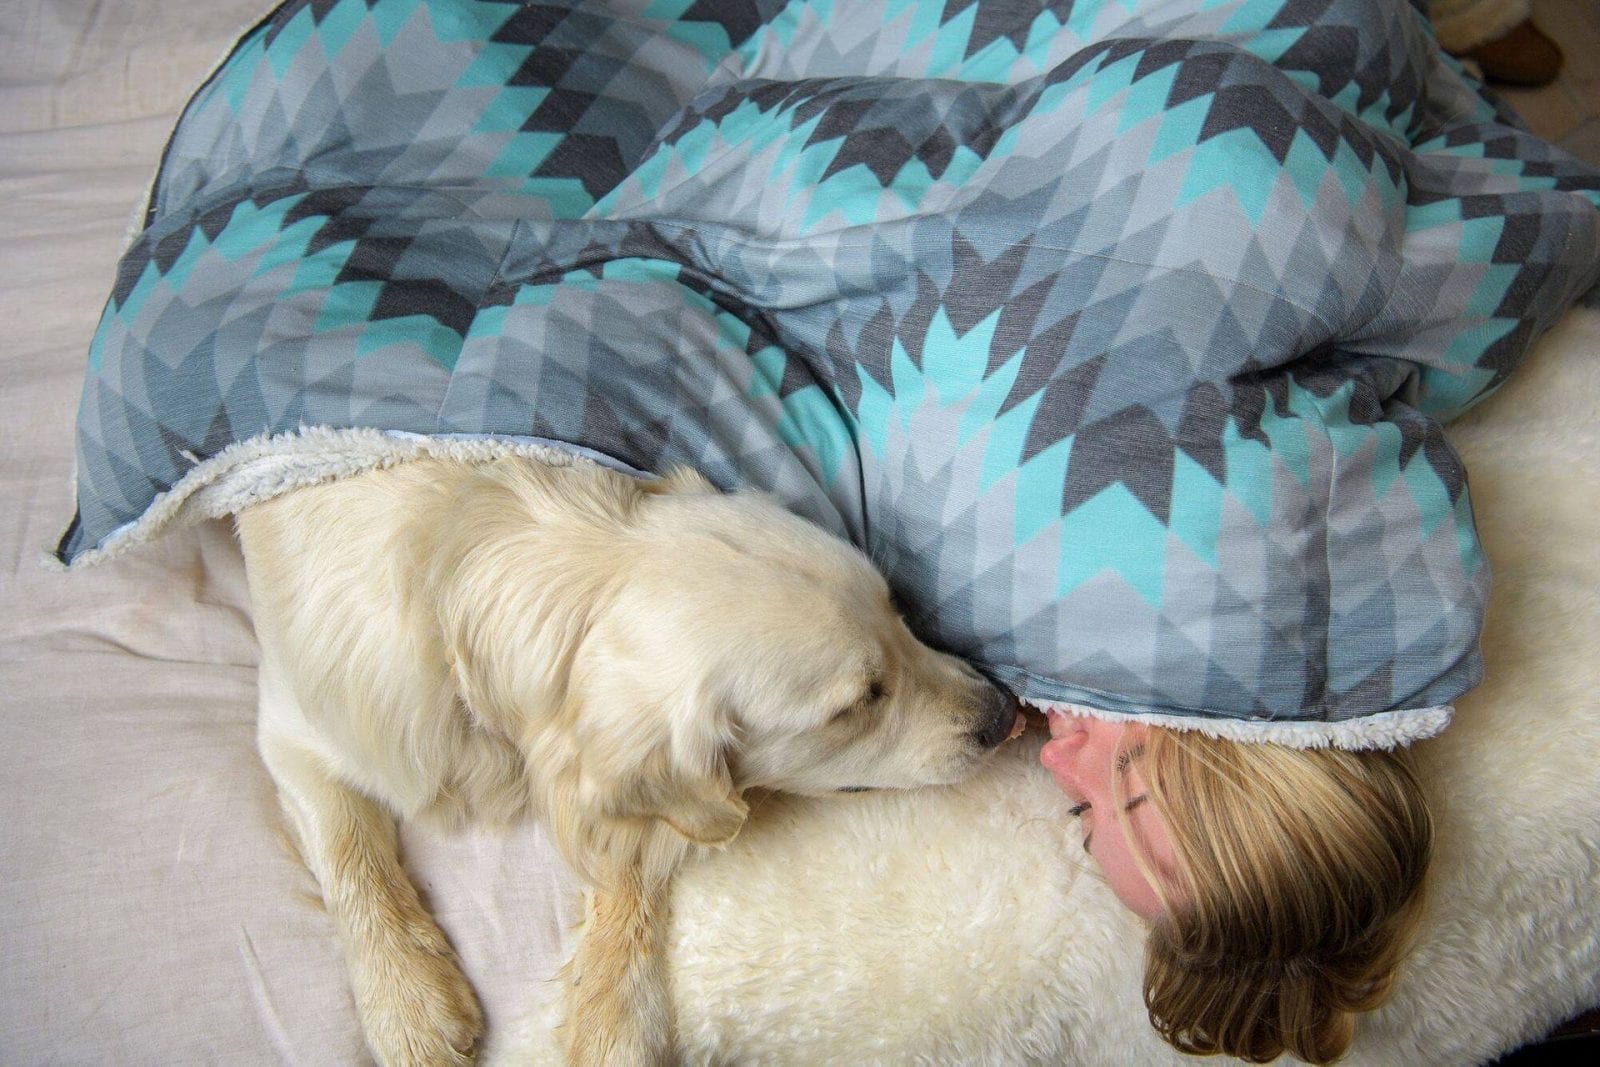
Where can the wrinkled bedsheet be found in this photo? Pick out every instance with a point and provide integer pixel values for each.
(1117, 333)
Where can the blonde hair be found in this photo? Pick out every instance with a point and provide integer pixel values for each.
(1298, 892)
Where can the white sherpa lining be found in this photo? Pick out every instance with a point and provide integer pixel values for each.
(249, 472)
(1387, 729)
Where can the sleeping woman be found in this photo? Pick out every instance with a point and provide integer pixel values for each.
(1281, 885)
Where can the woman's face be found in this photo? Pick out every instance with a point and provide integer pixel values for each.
(1087, 757)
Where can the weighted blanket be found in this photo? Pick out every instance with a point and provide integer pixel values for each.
(1117, 333)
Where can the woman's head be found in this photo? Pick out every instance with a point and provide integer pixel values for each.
(1284, 885)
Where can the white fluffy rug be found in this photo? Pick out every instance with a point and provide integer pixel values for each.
(964, 926)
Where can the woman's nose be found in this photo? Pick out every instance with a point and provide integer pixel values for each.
(1074, 739)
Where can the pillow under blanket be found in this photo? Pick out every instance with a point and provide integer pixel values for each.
(1117, 333)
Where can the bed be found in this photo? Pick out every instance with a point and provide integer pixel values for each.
(154, 912)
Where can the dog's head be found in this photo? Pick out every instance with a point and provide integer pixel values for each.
(746, 647)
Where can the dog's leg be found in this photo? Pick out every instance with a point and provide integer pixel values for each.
(617, 1007)
(415, 1005)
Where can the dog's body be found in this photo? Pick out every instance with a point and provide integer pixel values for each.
(619, 659)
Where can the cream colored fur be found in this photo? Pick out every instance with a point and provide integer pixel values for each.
(508, 639)
(966, 926)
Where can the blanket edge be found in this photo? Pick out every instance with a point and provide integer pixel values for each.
(260, 468)
(1380, 730)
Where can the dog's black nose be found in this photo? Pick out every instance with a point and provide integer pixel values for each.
(1000, 712)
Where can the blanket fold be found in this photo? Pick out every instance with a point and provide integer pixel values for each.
(1119, 334)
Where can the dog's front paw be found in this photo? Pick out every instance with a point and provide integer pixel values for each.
(417, 1006)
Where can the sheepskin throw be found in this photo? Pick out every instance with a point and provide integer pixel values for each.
(1117, 332)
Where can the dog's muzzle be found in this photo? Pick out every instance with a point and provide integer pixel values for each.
(1002, 718)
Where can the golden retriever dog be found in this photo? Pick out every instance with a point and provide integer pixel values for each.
(621, 659)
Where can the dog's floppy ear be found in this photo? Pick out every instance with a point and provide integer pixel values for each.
(704, 810)
(682, 782)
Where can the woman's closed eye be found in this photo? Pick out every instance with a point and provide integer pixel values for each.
(1079, 809)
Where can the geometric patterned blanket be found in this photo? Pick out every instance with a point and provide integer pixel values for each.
(1117, 332)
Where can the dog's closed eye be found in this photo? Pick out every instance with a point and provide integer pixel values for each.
(871, 696)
